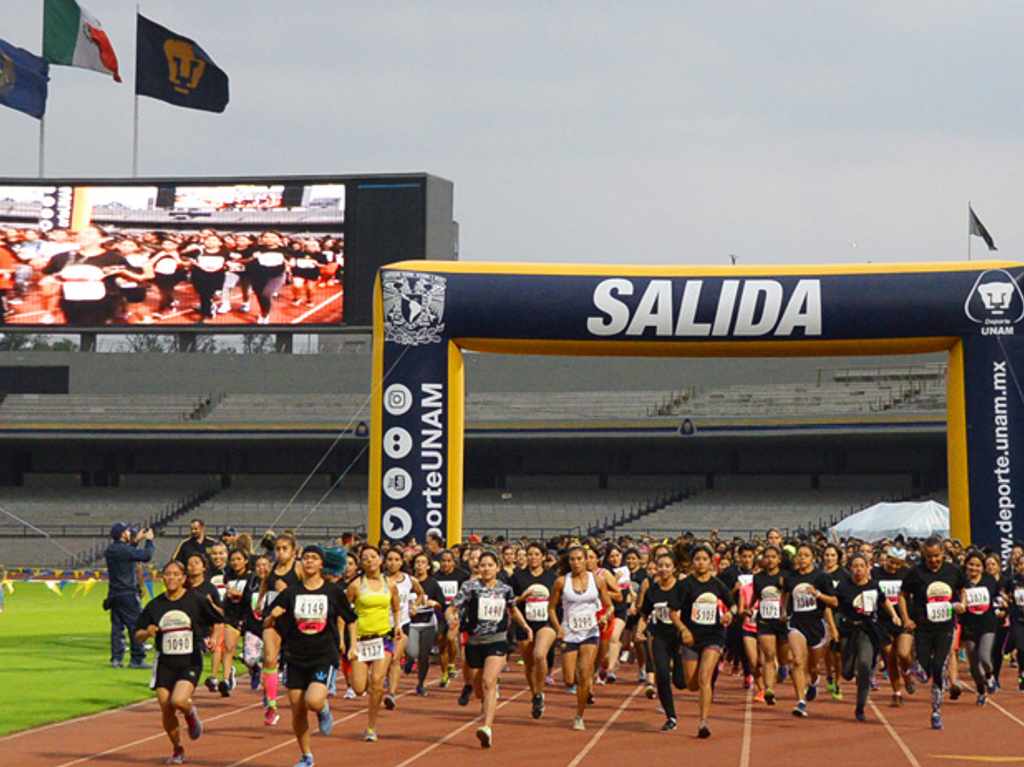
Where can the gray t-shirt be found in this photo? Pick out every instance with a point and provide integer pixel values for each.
(486, 611)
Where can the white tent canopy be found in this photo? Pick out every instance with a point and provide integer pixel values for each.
(887, 520)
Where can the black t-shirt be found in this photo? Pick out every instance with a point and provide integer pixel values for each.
(234, 604)
(837, 576)
(859, 603)
(535, 607)
(931, 595)
(450, 583)
(182, 623)
(310, 636)
(191, 546)
(657, 607)
(204, 590)
(981, 599)
(731, 576)
(890, 584)
(432, 591)
(1013, 585)
(768, 597)
(802, 607)
(702, 609)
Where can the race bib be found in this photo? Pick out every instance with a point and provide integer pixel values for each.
(369, 650)
(771, 609)
(891, 589)
(978, 599)
(491, 609)
(537, 612)
(449, 589)
(804, 601)
(704, 613)
(939, 612)
(238, 587)
(661, 612)
(1018, 597)
(583, 620)
(868, 602)
(310, 613)
(622, 577)
(176, 643)
(745, 579)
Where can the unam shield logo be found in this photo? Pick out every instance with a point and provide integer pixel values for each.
(413, 307)
(7, 74)
(995, 300)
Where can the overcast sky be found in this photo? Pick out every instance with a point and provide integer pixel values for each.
(674, 132)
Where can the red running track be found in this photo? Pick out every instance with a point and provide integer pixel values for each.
(623, 725)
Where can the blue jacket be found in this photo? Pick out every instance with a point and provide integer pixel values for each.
(121, 559)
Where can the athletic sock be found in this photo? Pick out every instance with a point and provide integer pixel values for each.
(936, 698)
(270, 680)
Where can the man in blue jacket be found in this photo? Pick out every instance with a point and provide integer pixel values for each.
(123, 591)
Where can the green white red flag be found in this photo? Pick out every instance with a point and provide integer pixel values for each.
(74, 37)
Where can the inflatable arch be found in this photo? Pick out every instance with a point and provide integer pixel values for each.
(426, 313)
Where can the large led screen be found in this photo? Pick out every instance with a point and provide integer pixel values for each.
(173, 254)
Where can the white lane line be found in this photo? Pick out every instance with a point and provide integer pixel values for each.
(76, 720)
(317, 308)
(604, 728)
(748, 727)
(148, 738)
(895, 736)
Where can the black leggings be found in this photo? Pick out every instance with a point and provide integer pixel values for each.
(859, 661)
(932, 649)
(424, 640)
(668, 671)
(1017, 636)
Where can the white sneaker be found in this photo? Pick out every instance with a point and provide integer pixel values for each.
(577, 723)
(350, 694)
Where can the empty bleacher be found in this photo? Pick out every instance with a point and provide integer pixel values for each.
(97, 408)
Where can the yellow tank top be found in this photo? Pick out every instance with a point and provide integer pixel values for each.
(373, 609)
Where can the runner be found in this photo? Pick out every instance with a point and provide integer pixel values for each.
(254, 600)
(450, 579)
(532, 587)
(707, 611)
(613, 563)
(860, 602)
(769, 607)
(580, 595)
(236, 580)
(176, 620)
(285, 574)
(928, 590)
(660, 616)
(218, 554)
(979, 622)
(309, 617)
(487, 603)
(423, 624)
(897, 641)
(832, 565)
(1013, 590)
(372, 635)
(409, 592)
(808, 590)
(741, 637)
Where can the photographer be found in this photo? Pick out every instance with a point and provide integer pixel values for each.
(123, 590)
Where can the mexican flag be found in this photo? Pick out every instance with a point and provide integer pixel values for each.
(72, 36)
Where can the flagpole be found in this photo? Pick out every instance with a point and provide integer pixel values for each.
(135, 121)
(42, 120)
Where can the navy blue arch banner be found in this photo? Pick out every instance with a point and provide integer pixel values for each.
(426, 312)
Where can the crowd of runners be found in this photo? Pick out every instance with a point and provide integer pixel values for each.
(797, 617)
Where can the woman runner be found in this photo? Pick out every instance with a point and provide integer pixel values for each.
(979, 621)
(450, 579)
(660, 617)
(255, 599)
(284, 575)
(613, 562)
(409, 591)
(832, 564)
(808, 589)
(373, 633)
(707, 611)
(581, 596)
(897, 643)
(236, 579)
(423, 622)
(313, 613)
(1013, 589)
(176, 621)
(532, 587)
(769, 607)
(488, 603)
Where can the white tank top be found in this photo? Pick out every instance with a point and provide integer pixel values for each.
(579, 611)
(404, 588)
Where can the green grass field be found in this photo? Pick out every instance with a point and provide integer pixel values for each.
(55, 658)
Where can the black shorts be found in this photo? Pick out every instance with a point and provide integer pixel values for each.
(772, 628)
(301, 677)
(166, 676)
(575, 646)
(476, 654)
(534, 627)
(814, 631)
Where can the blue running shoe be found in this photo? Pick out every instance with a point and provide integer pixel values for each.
(305, 761)
(936, 720)
(812, 692)
(325, 719)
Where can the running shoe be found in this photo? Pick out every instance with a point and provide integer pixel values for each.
(389, 702)
(271, 717)
(140, 665)
(370, 736)
(421, 691)
(464, 696)
(748, 681)
(837, 693)
(224, 688)
(703, 731)
(350, 694)
(783, 673)
(800, 709)
(992, 684)
(874, 684)
(178, 757)
(650, 692)
(254, 680)
(769, 697)
(600, 680)
(897, 700)
(483, 734)
(325, 720)
(982, 699)
(577, 723)
(444, 679)
(1020, 683)
(195, 726)
(117, 664)
(859, 715)
(759, 696)
(452, 671)
(910, 684)
(549, 680)
(211, 683)
(612, 678)
(936, 720)
(571, 689)
(590, 699)
(918, 671)
(305, 761)
(538, 706)
(812, 692)
(231, 680)
(670, 724)
(955, 691)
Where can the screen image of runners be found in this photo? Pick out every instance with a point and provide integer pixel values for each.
(173, 255)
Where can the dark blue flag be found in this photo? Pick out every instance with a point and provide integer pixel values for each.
(173, 68)
(23, 79)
